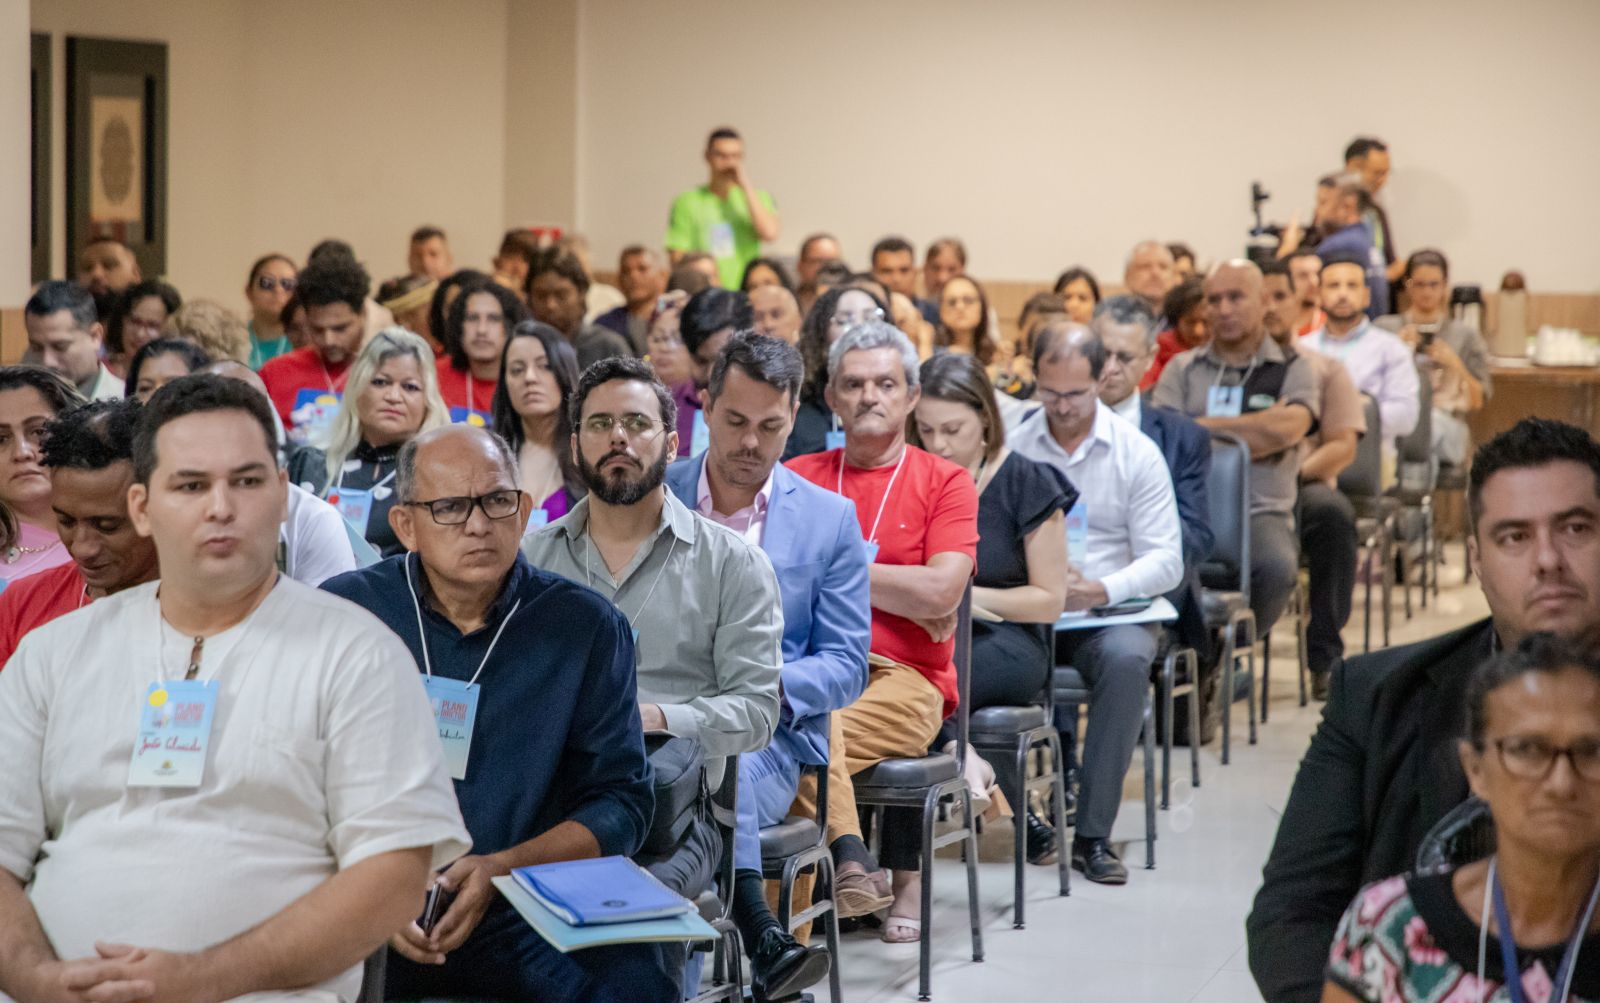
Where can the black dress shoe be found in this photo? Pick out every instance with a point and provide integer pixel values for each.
(1319, 685)
(1098, 862)
(781, 966)
(1041, 840)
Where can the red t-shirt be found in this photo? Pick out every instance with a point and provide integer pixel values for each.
(1168, 347)
(301, 369)
(932, 509)
(35, 601)
(463, 392)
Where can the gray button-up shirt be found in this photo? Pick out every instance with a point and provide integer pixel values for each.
(708, 616)
(1270, 378)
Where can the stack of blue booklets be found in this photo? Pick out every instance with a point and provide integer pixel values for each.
(608, 900)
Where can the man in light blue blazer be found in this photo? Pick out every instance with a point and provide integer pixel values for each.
(814, 541)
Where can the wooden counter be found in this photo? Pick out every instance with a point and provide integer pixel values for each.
(1523, 391)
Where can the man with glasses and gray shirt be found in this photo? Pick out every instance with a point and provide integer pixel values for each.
(702, 604)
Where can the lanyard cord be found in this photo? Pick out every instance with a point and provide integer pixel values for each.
(1494, 898)
(1224, 368)
(872, 537)
(422, 635)
(588, 570)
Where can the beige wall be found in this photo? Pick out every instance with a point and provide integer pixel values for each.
(541, 112)
(1053, 132)
(301, 120)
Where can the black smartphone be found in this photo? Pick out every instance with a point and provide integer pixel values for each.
(1122, 608)
(433, 907)
(1426, 333)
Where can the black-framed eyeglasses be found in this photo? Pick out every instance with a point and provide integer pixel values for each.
(637, 426)
(456, 510)
(1531, 758)
(266, 283)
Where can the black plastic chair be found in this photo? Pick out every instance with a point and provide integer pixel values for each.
(1072, 690)
(1298, 609)
(1004, 736)
(922, 783)
(1362, 483)
(795, 845)
(1225, 595)
(1413, 498)
(716, 904)
(1464, 835)
(1170, 688)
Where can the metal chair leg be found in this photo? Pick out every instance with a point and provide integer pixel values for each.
(1266, 673)
(1019, 830)
(1227, 690)
(1193, 658)
(1166, 733)
(972, 882)
(1149, 784)
(1058, 795)
(1250, 654)
(924, 952)
(1301, 601)
(830, 926)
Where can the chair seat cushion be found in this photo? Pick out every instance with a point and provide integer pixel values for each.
(1006, 721)
(1069, 685)
(923, 772)
(1217, 575)
(1219, 604)
(788, 838)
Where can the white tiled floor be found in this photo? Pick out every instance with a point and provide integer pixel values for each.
(1170, 935)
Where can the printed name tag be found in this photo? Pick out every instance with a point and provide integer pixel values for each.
(721, 240)
(1225, 402)
(455, 710)
(699, 435)
(872, 552)
(355, 504)
(313, 413)
(174, 733)
(835, 440)
(1077, 534)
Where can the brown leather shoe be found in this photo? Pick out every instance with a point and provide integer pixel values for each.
(857, 892)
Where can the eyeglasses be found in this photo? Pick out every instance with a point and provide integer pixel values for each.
(457, 510)
(637, 426)
(267, 284)
(1530, 758)
(1126, 358)
(847, 318)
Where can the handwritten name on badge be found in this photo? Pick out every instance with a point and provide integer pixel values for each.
(174, 733)
(455, 712)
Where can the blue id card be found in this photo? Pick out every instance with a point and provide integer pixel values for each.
(1077, 534)
(1225, 402)
(699, 435)
(872, 551)
(835, 439)
(455, 710)
(174, 732)
(355, 504)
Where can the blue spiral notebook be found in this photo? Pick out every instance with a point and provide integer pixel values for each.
(600, 890)
(566, 938)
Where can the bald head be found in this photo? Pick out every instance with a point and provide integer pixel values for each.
(1151, 273)
(443, 461)
(235, 370)
(460, 510)
(1058, 339)
(1235, 299)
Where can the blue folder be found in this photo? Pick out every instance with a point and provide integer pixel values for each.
(567, 938)
(600, 890)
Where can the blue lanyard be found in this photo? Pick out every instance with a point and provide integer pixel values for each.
(1508, 949)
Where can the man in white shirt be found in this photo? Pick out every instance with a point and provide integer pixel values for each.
(285, 797)
(1131, 549)
(1382, 366)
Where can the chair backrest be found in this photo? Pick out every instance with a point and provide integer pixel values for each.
(1415, 462)
(1363, 478)
(1464, 835)
(724, 806)
(963, 660)
(1228, 495)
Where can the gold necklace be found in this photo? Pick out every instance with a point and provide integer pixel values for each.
(16, 553)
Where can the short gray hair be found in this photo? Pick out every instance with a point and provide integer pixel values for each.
(405, 470)
(875, 334)
(1122, 311)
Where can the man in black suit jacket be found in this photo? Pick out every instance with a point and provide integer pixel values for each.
(1127, 331)
(1383, 767)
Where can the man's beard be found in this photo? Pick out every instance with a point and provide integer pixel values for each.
(621, 490)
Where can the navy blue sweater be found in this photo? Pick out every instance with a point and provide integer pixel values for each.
(557, 735)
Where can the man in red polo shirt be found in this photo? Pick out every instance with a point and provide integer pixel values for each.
(919, 515)
(305, 384)
(89, 453)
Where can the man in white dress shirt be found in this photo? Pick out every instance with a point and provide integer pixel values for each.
(1131, 549)
(224, 783)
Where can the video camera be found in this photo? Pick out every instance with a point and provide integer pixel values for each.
(1262, 246)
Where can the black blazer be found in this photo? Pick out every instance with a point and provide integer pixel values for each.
(1382, 769)
(1187, 449)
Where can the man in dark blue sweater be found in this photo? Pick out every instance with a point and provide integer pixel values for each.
(545, 747)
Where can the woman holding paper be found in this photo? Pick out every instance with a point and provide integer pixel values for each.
(392, 394)
(1020, 586)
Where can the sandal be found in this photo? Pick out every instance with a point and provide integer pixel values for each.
(901, 929)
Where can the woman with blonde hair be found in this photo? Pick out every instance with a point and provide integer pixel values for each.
(217, 330)
(392, 395)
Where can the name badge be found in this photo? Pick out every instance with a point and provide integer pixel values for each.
(1224, 402)
(699, 435)
(174, 733)
(355, 504)
(1077, 534)
(721, 240)
(835, 439)
(455, 710)
(313, 413)
(872, 552)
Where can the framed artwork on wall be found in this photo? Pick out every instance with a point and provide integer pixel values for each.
(117, 148)
(39, 214)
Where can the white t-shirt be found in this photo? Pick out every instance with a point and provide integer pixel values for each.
(317, 546)
(323, 753)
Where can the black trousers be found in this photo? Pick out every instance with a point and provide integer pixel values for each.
(1010, 664)
(1328, 539)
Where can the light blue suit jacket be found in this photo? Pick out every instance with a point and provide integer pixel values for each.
(815, 545)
